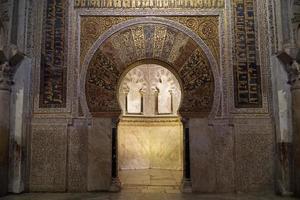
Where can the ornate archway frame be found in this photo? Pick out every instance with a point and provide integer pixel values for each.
(153, 20)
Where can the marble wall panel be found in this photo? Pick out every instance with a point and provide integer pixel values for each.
(150, 143)
(77, 156)
(202, 155)
(48, 158)
(99, 154)
(254, 154)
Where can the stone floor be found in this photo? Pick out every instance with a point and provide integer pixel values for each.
(124, 195)
(151, 180)
(145, 185)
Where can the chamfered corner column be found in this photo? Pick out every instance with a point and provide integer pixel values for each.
(115, 182)
(186, 185)
(5, 83)
(295, 90)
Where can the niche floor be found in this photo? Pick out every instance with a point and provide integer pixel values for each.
(151, 180)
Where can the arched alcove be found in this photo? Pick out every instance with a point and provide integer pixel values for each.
(150, 132)
(149, 90)
(150, 40)
(153, 39)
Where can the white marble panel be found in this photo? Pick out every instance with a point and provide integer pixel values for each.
(99, 155)
(150, 143)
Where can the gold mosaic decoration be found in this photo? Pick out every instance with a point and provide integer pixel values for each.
(126, 47)
(93, 27)
(139, 41)
(207, 29)
(205, 26)
(149, 4)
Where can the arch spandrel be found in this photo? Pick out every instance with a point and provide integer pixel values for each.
(150, 41)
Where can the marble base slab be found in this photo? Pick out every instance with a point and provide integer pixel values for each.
(155, 143)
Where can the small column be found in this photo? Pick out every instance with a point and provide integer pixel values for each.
(186, 185)
(115, 182)
(5, 83)
(296, 134)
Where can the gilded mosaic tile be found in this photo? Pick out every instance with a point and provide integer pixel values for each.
(149, 4)
(205, 26)
(207, 29)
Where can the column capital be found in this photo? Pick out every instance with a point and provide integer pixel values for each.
(8, 66)
(185, 121)
(6, 75)
(294, 74)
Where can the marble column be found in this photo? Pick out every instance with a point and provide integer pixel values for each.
(115, 182)
(296, 136)
(186, 186)
(5, 83)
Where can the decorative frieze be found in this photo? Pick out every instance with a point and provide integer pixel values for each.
(149, 3)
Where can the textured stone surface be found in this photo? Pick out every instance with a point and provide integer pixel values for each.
(254, 154)
(150, 143)
(203, 169)
(99, 154)
(77, 156)
(48, 158)
(225, 165)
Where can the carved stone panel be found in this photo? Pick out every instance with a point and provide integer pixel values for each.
(254, 153)
(48, 158)
(78, 156)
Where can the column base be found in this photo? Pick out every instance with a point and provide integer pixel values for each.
(115, 185)
(186, 186)
(282, 190)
